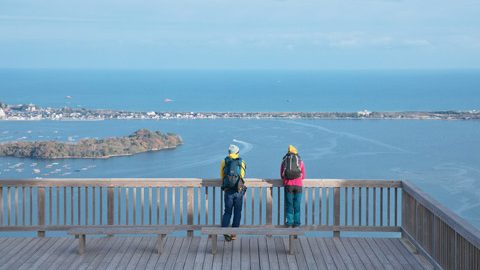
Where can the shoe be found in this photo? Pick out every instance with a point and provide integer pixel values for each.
(295, 225)
(288, 226)
(233, 237)
(228, 238)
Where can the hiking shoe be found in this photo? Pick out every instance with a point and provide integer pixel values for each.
(233, 237)
(228, 238)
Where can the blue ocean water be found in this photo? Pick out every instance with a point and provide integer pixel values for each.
(244, 90)
(441, 157)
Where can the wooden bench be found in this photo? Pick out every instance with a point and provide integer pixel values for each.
(291, 232)
(108, 230)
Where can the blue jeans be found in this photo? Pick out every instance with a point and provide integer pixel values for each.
(293, 199)
(233, 201)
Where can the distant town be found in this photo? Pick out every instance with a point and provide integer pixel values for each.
(31, 112)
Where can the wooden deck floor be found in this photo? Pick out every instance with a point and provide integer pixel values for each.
(194, 253)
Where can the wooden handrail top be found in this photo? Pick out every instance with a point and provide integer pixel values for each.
(457, 223)
(189, 182)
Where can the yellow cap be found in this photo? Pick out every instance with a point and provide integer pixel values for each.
(292, 149)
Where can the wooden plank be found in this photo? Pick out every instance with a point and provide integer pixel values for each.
(334, 253)
(300, 255)
(263, 253)
(45, 254)
(343, 243)
(375, 207)
(260, 205)
(381, 206)
(208, 256)
(316, 253)
(381, 255)
(346, 257)
(174, 253)
(269, 207)
(364, 257)
(90, 261)
(292, 261)
(360, 215)
(65, 256)
(371, 254)
(281, 252)
(327, 205)
(58, 255)
(111, 205)
(130, 252)
(389, 206)
(217, 259)
(227, 255)
(305, 198)
(272, 253)
(144, 251)
(162, 259)
(254, 254)
(182, 256)
(400, 249)
(40, 205)
(123, 253)
(367, 206)
(192, 253)
(252, 230)
(116, 244)
(26, 253)
(391, 257)
(200, 256)
(24, 243)
(94, 210)
(236, 254)
(336, 210)
(346, 206)
(398, 255)
(1, 205)
(307, 252)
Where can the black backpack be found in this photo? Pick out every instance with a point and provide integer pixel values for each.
(291, 166)
(231, 173)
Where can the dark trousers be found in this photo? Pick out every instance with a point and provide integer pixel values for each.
(293, 199)
(233, 202)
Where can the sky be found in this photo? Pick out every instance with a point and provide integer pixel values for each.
(258, 34)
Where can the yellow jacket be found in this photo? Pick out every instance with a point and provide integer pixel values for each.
(233, 156)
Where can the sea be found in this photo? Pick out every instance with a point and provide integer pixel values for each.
(440, 157)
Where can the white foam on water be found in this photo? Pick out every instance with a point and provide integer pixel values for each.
(351, 136)
(247, 147)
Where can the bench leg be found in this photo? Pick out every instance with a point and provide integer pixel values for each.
(82, 239)
(291, 246)
(160, 241)
(190, 233)
(214, 244)
(41, 234)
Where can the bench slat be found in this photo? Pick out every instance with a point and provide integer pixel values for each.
(252, 231)
(77, 231)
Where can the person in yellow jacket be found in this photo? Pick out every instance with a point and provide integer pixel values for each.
(232, 173)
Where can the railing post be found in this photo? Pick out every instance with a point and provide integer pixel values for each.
(41, 210)
(336, 211)
(189, 210)
(110, 205)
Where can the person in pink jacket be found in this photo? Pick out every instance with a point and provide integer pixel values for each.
(292, 172)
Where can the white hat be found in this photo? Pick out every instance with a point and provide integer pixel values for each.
(233, 149)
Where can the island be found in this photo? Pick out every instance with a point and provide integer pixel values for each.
(140, 141)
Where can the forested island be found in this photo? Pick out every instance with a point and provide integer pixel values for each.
(140, 141)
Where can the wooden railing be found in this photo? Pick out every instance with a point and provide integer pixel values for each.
(328, 205)
(59, 204)
(446, 239)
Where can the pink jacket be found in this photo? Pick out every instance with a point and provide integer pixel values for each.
(294, 182)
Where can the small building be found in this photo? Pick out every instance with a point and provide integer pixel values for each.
(2, 114)
(364, 113)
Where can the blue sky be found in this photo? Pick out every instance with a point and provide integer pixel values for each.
(340, 34)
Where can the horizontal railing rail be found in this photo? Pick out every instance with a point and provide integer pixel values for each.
(448, 240)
